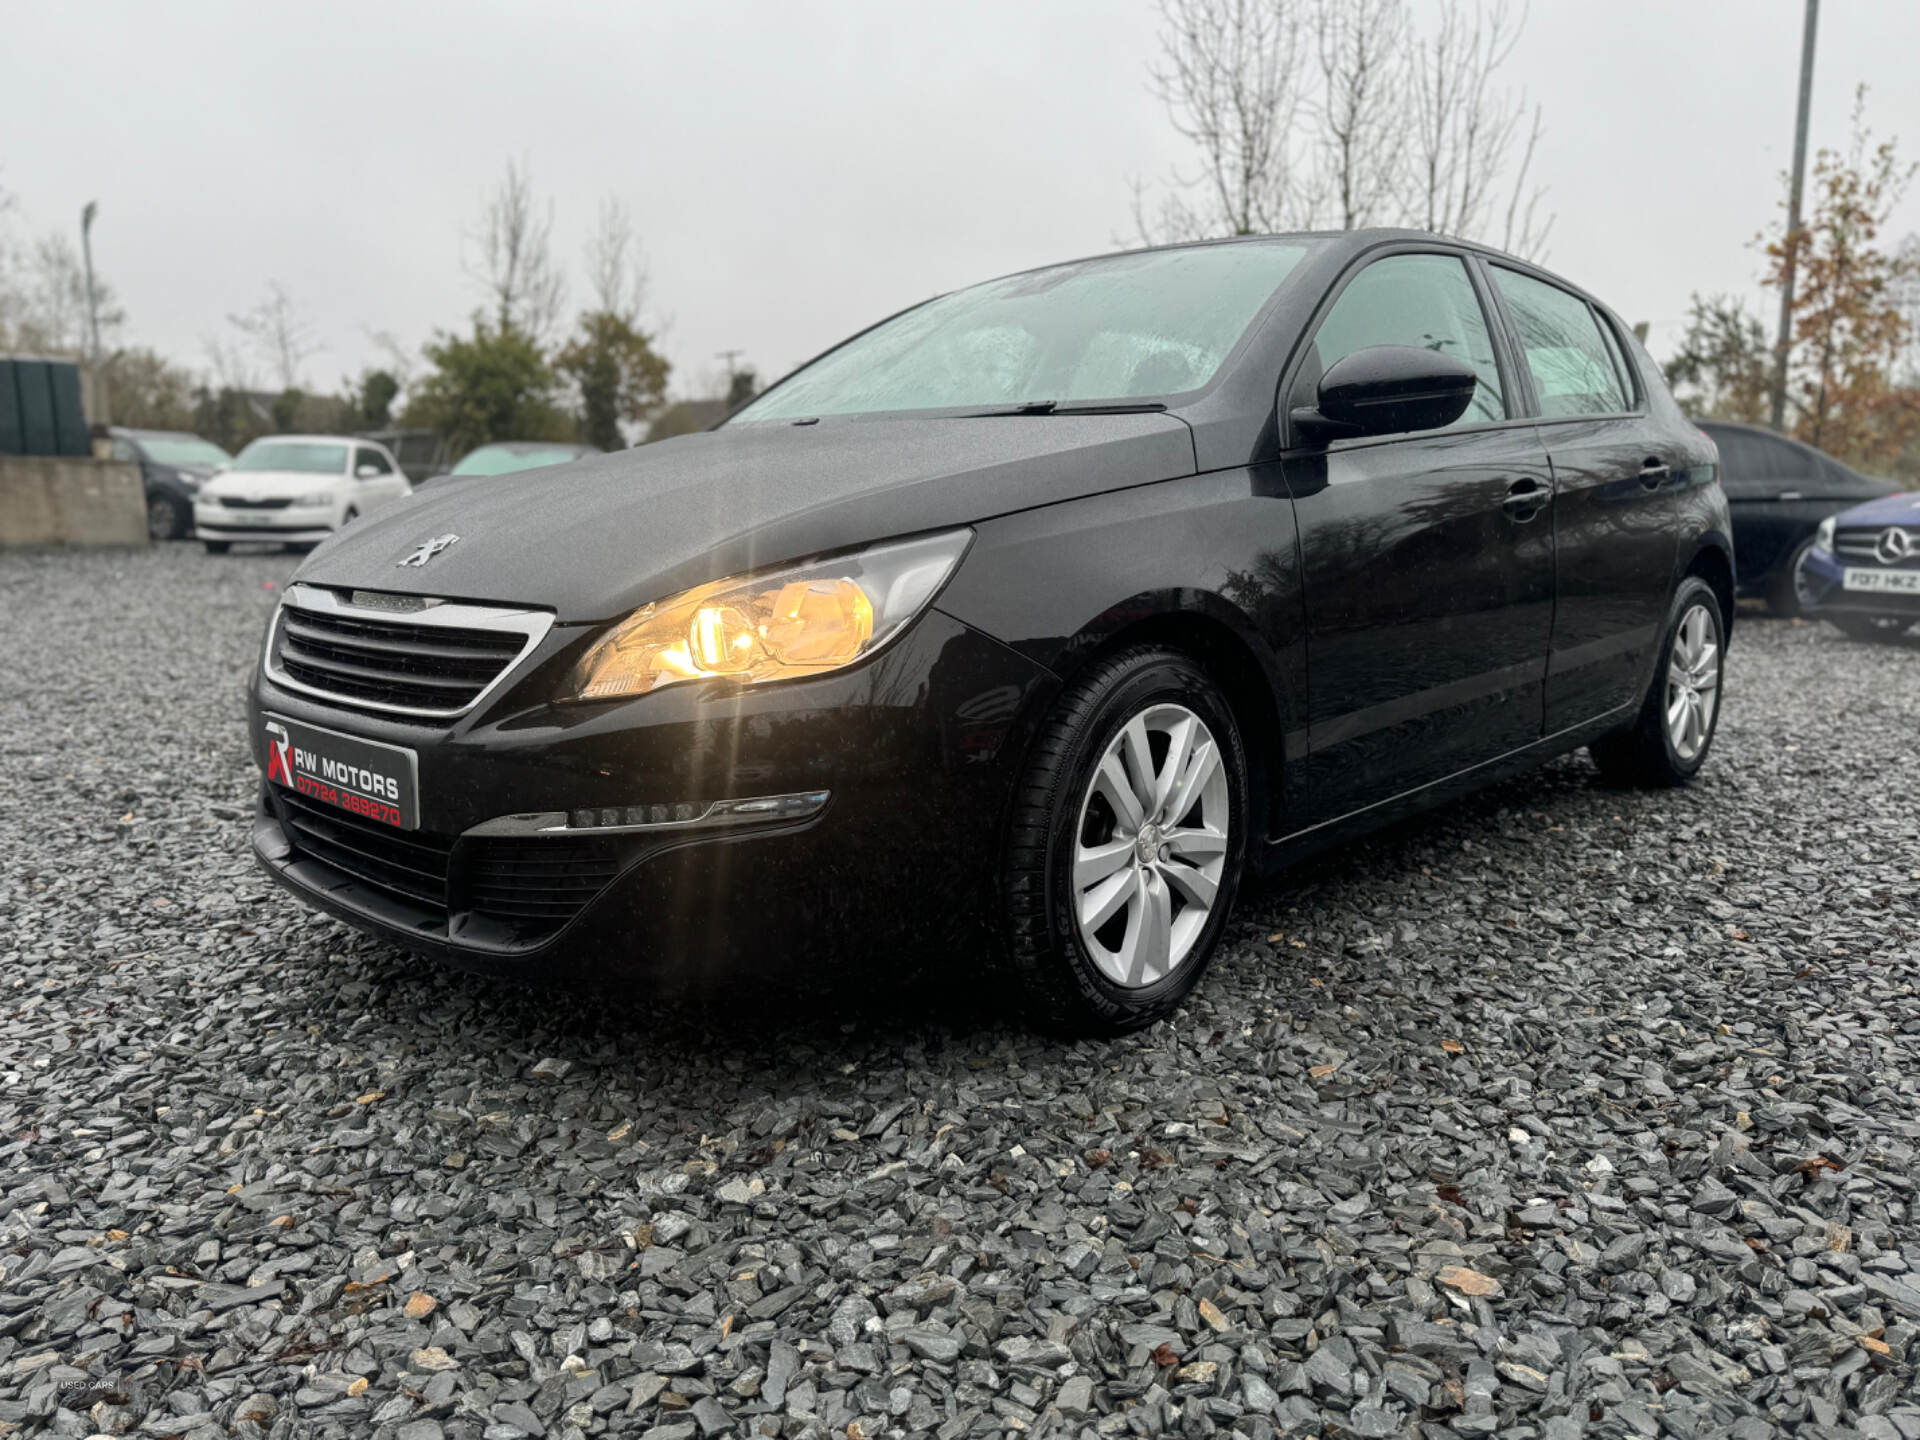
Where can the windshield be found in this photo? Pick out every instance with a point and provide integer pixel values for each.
(500, 460)
(183, 450)
(304, 456)
(1121, 328)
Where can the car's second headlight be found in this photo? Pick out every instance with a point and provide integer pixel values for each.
(313, 499)
(1823, 537)
(780, 625)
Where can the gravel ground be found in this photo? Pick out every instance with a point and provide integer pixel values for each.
(1563, 1111)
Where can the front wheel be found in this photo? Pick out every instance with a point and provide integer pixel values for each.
(1791, 590)
(1669, 739)
(167, 519)
(1871, 628)
(1126, 844)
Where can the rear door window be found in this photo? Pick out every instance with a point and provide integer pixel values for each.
(1426, 301)
(1756, 465)
(1573, 367)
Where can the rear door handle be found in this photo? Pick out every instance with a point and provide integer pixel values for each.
(1525, 499)
(1654, 472)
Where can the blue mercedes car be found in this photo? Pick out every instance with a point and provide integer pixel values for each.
(1862, 571)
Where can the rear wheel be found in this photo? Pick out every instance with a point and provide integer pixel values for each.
(1789, 593)
(1669, 739)
(218, 547)
(1126, 844)
(1871, 628)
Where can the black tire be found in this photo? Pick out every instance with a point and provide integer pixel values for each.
(1644, 754)
(1871, 629)
(1060, 981)
(1783, 591)
(218, 547)
(167, 518)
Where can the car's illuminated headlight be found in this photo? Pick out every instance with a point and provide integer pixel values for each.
(804, 620)
(1823, 537)
(315, 498)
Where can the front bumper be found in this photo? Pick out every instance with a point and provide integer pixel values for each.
(1824, 574)
(917, 749)
(297, 524)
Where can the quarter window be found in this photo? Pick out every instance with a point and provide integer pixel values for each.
(373, 458)
(1573, 371)
(1425, 301)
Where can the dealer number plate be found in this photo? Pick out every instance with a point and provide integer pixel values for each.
(363, 777)
(1904, 582)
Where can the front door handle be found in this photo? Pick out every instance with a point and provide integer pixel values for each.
(1525, 499)
(1653, 472)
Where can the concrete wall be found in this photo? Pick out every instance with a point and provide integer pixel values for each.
(58, 500)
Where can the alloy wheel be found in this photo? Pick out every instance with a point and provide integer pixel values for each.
(1151, 846)
(1693, 682)
(160, 523)
(1802, 582)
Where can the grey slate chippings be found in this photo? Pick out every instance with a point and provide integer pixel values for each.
(1565, 1111)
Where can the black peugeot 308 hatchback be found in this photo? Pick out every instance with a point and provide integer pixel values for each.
(1018, 626)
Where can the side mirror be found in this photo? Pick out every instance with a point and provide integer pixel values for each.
(367, 472)
(1388, 390)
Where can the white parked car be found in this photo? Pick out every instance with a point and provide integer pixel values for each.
(295, 490)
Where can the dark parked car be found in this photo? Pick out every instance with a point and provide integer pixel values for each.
(1779, 491)
(173, 466)
(1862, 570)
(1024, 621)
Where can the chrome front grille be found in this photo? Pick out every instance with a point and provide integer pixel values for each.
(435, 662)
(1868, 547)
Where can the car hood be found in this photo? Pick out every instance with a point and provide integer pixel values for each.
(612, 532)
(1897, 509)
(266, 484)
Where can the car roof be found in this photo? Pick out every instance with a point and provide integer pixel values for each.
(317, 440)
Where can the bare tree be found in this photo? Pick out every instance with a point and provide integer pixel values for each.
(1344, 112)
(400, 361)
(1230, 77)
(1473, 141)
(229, 363)
(1362, 47)
(616, 268)
(277, 336)
(516, 257)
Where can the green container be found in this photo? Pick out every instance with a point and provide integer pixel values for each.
(41, 412)
(70, 435)
(38, 435)
(13, 437)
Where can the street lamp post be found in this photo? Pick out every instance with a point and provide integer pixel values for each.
(87, 213)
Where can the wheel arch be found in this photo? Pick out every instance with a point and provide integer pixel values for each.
(1225, 642)
(1712, 561)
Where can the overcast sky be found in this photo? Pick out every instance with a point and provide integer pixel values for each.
(798, 170)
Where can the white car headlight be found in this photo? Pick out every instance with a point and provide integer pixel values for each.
(801, 620)
(1823, 537)
(315, 497)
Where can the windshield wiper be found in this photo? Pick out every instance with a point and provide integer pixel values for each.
(1054, 407)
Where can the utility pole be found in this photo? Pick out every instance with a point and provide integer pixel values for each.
(1793, 216)
(87, 213)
